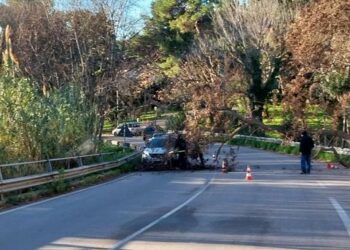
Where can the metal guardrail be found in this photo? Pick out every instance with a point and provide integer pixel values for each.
(52, 172)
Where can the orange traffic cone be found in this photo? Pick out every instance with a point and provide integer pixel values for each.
(248, 175)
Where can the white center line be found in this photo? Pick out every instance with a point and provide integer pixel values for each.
(342, 214)
(144, 229)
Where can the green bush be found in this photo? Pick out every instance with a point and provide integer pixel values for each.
(60, 185)
(326, 156)
(34, 126)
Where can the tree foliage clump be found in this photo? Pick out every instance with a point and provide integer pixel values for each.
(34, 127)
(320, 48)
(173, 26)
(34, 124)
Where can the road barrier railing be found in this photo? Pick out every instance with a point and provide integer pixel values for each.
(17, 176)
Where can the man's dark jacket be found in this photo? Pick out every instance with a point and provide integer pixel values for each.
(306, 145)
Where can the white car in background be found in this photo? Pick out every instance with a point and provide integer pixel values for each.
(134, 128)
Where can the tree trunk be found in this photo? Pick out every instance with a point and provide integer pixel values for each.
(257, 110)
(100, 124)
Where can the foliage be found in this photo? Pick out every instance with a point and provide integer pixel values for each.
(34, 127)
(253, 33)
(318, 41)
(319, 37)
(176, 122)
(173, 26)
(60, 185)
(110, 148)
(56, 48)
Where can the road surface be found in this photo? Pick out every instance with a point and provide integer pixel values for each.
(279, 209)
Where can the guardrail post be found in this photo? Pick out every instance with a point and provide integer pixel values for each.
(49, 165)
(101, 157)
(1, 178)
(80, 161)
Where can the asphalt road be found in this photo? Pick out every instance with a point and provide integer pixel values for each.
(279, 209)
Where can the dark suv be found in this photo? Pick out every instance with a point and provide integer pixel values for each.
(159, 152)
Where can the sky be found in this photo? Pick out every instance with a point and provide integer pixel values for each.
(140, 7)
(137, 9)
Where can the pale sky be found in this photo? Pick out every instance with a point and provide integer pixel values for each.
(140, 7)
(137, 8)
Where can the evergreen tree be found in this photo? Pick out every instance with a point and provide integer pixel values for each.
(173, 26)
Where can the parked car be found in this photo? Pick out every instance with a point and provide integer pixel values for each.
(131, 128)
(122, 130)
(159, 152)
(135, 128)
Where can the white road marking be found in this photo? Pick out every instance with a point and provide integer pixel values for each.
(321, 184)
(144, 229)
(342, 214)
(65, 195)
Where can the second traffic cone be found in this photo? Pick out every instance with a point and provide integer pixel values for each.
(248, 175)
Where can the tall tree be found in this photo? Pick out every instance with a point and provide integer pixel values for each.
(173, 26)
(253, 33)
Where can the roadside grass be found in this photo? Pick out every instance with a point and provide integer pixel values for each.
(151, 115)
(316, 118)
(148, 116)
(61, 186)
(108, 126)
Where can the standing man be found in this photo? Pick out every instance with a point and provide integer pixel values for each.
(306, 146)
(181, 147)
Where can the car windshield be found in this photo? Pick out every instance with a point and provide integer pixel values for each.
(149, 130)
(157, 143)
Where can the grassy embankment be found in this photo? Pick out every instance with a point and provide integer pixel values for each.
(316, 120)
